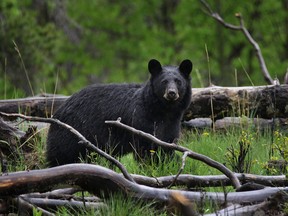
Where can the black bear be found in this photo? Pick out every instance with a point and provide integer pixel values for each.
(155, 107)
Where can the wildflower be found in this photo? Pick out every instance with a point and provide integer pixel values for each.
(205, 134)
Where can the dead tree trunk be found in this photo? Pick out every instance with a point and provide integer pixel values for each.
(218, 102)
(212, 102)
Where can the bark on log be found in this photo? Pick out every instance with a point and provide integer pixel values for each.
(56, 203)
(212, 102)
(242, 122)
(275, 205)
(35, 106)
(101, 181)
(218, 102)
(196, 181)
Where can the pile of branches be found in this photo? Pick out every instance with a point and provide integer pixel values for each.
(30, 189)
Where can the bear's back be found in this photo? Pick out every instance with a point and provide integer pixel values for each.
(86, 111)
(99, 100)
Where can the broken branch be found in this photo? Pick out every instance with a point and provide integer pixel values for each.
(85, 142)
(173, 146)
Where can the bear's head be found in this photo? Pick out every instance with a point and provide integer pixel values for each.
(170, 83)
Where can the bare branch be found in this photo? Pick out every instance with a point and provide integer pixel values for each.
(181, 168)
(84, 141)
(173, 146)
(217, 17)
(246, 33)
(26, 207)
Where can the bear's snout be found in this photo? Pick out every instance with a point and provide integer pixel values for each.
(171, 94)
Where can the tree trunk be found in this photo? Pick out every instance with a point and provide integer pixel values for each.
(218, 102)
(212, 102)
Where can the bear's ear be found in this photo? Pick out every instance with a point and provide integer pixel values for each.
(186, 67)
(154, 67)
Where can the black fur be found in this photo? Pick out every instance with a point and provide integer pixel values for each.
(155, 107)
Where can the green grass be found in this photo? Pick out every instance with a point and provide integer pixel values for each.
(117, 205)
(207, 142)
(215, 144)
(34, 159)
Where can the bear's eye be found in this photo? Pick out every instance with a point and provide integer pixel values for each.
(164, 82)
(178, 82)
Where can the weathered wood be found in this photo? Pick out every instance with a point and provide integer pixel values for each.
(260, 101)
(101, 181)
(275, 205)
(40, 106)
(235, 122)
(196, 181)
(212, 102)
(49, 203)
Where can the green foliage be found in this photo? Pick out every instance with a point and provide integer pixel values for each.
(26, 44)
(65, 45)
(34, 148)
(280, 145)
(278, 154)
(37, 212)
(239, 156)
(216, 145)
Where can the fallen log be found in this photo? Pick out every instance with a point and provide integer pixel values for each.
(45, 203)
(275, 205)
(212, 102)
(235, 122)
(40, 106)
(102, 181)
(26, 208)
(253, 101)
(196, 181)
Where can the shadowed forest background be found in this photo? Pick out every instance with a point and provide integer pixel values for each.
(61, 46)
